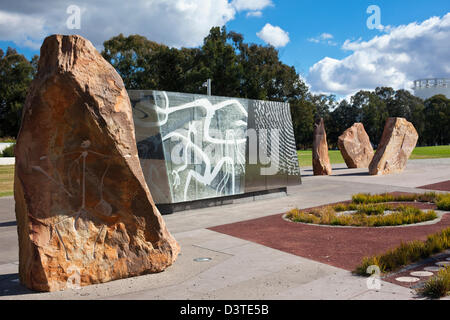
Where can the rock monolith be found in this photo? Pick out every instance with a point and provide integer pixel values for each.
(397, 143)
(321, 160)
(355, 147)
(85, 214)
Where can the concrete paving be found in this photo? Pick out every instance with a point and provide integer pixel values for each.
(240, 269)
(429, 171)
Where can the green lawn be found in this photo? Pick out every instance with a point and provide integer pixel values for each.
(305, 156)
(6, 180)
(431, 152)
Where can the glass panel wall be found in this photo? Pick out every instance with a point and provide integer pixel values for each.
(195, 147)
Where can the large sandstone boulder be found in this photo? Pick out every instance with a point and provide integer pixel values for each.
(85, 214)
(355, 147)
(397, 143)
(321, 160)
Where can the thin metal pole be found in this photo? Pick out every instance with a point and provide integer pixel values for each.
(208, 83)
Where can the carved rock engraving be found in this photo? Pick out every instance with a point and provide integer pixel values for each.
(81, 199)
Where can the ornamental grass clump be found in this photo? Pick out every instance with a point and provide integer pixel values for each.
(364, 215)
(362, 208)
(406, 253)
(427, 197)
(368, 198)
(365, 198)
(443, 201)
(437, 286)
(373, 209)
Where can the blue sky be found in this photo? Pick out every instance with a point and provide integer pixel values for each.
(343, 19)
(369, 58)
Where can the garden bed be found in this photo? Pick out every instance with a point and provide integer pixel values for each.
(342, 247)
(366, 210)
(430, 277)
(377, 215)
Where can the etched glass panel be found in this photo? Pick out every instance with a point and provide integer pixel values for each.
(202, 141)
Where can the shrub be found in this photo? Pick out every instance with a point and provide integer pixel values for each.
(8, 139)
(9, 152)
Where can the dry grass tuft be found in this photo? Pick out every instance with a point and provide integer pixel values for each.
(407, 253)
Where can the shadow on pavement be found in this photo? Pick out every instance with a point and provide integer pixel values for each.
(352, 174)
(11, 286)
(308, 173)
(8, 224)
(311, 170)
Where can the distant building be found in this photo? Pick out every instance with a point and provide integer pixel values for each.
(426, 88)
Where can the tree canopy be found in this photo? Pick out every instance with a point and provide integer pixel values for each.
(238, 69)
(430, 117)
(16, 74)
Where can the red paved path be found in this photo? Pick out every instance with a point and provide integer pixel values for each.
(441, 186)
(337, 246)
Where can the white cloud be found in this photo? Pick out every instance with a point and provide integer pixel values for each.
(401, 55)
(325, 38)
(21, 28)
(253, 5)
(274, 36)
(172, 22)
(255, 14)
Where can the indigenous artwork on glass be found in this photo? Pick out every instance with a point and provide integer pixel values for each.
(195, 147)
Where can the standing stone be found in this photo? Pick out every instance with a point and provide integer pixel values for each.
(321, 160)
(397, 143)
(355, 147)
(85, 214)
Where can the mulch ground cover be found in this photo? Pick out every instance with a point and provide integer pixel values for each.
(342, 247)
(441, 186)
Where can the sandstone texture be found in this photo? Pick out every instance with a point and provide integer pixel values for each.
(85, 214)
(397, 143)
(355, 147)
(321, 160)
